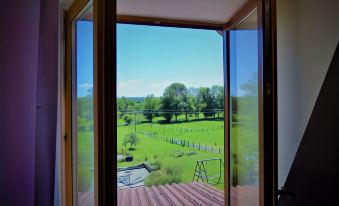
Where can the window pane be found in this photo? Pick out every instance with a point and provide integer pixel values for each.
(170, 115)
(84, 144)
(244, 113)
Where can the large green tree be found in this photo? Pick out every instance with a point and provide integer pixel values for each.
(175, 100)
(218, 94)
(122, 104)
(151, 104)
(131, 140)
(195, 106)
(127, 105)
(205, 101)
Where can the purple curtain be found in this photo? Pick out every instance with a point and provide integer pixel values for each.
(28, 101)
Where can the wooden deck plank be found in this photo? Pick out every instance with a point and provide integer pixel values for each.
(188, 195)
(170, 197)
(86, 199)
(201, 196)
(161, 197)
(150, 196)
(180, 196)
(142, 196)
(208, 193)
(211, 190)
(185, 194)
(134, 198)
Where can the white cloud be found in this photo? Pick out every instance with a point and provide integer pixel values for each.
(86, 86)
(141, 88)
(161, 85)
(130, 82)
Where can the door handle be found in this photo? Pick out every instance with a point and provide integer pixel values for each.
(287, 193)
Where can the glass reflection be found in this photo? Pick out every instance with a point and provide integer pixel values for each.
(84, 145)
(244, 113)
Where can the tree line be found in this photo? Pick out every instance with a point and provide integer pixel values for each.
(176, 100)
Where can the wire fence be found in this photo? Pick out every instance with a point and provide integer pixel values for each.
(184, 143)
(136, 111)
(172, 139)
(189, 130)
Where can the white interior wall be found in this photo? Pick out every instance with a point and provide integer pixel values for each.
(307, 35)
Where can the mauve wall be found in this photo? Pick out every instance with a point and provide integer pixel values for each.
(21, 43)
(47, 97)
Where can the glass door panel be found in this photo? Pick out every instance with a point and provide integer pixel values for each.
(83, 129)
(244, 113)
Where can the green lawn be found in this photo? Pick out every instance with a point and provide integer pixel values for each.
(155, 149)
(210, 132)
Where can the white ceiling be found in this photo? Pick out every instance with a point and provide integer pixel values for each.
(216, 11)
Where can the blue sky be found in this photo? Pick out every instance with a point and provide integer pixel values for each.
(84, 57)
(151, 58)
(244, 58)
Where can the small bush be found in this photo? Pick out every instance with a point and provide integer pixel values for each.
(155, 156)
(174, 173)
(156, 178)
(127, 118)
(125, 152)
(132, 140)
(191, 153)
(178, 154)
(146, 158)
(168, 175)
(121, 160)
(156, 164)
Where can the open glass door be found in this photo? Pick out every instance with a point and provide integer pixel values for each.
(79, 137)
(83, 125)
(244, 113)
(251, 56)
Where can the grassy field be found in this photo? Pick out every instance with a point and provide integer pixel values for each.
(150, 150)
(209, 132)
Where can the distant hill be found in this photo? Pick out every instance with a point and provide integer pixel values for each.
(136, 99)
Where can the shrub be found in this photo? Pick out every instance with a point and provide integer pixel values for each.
(174, 173)
(178, 154)
(191, 153)
(156, 178)
(131, 139)
(127, 118)
(169, 175)
(125, 152)
(121, 160)
(156, 164)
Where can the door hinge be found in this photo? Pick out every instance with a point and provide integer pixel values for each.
(268, 89)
